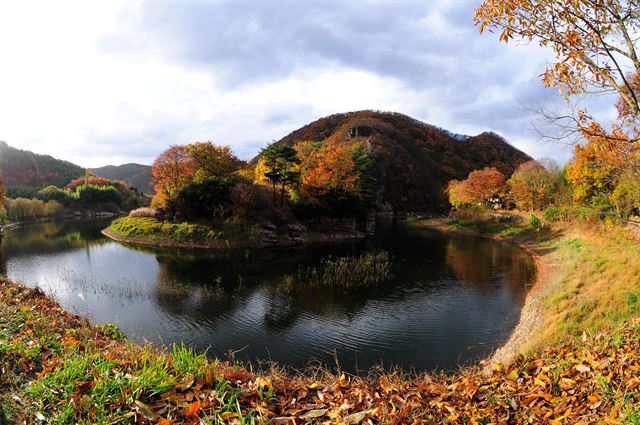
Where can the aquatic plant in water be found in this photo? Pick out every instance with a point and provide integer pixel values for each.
(370, 268)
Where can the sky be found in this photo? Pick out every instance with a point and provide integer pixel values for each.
(100, 83)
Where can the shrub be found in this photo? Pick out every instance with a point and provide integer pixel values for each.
(553, 214)
(143, 213)
(534, 221)
(468, 215)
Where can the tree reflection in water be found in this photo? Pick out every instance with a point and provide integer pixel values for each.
(452, 299)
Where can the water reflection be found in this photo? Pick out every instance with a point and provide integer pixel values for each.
(452, 299)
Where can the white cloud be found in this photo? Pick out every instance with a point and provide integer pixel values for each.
(113, 82)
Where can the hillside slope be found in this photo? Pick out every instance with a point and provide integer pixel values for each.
(25, 169)
(414, 161)
(136, 175)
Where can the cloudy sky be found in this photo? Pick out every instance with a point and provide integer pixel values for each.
(115, 82)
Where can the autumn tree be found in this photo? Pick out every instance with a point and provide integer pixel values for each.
(172, 171)
(607, 160)
(481, 187)
(335, 177)
(535, 185)
(594, 41)
(280, 160)
(212, 162)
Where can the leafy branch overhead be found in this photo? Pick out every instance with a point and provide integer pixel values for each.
(595, 42)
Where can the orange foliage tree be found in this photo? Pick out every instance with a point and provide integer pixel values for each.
(95, 181)
(330, 168)
(172, 170)
(598, 166)
(333, 175)
(481, 187)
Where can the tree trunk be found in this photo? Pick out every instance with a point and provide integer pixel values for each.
(274, 192)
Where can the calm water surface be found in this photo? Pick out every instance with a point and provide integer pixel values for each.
(453, 299)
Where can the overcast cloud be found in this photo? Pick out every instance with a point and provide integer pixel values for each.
(109, 83)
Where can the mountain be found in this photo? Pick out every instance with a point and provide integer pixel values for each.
(136, 175)
(413, 160)
(25, 169)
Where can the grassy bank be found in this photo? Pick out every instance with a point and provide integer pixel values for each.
(149, 231)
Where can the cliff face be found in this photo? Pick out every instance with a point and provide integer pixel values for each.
(414, 161)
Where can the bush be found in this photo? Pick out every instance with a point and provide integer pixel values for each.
(468, 215)
(143, 213)
(553, 214)
(534, 221)
(30, 209)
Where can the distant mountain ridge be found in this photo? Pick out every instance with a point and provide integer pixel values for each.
(136, 175)
(414, 160)
(25, 171)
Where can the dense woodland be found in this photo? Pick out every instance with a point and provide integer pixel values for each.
(342, 166)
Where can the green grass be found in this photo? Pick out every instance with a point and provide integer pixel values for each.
(152, 229)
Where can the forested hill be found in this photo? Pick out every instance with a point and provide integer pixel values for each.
(25, 172)
(136, 175)
(25, 169)
(413, 160)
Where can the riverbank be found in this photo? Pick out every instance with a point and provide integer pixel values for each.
(58, 368)
(588, 280)
(532, 314)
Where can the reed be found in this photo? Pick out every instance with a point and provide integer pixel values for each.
(370, 268)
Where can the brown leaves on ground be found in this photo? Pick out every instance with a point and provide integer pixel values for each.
(595, 381)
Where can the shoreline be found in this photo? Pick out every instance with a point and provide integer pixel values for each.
(233, 243)
(531, 314)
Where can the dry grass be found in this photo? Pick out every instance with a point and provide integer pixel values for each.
(594, 284)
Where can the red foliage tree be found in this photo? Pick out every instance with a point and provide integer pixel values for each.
(172, 170)
(480, 187)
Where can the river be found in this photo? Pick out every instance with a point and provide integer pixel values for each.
(452, 299)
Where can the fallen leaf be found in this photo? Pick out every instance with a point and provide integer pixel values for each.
(185, 382)
(354, 418)
(314, 414)
(146, 411)
(228, 415)
(193, 409)
(583, 368)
